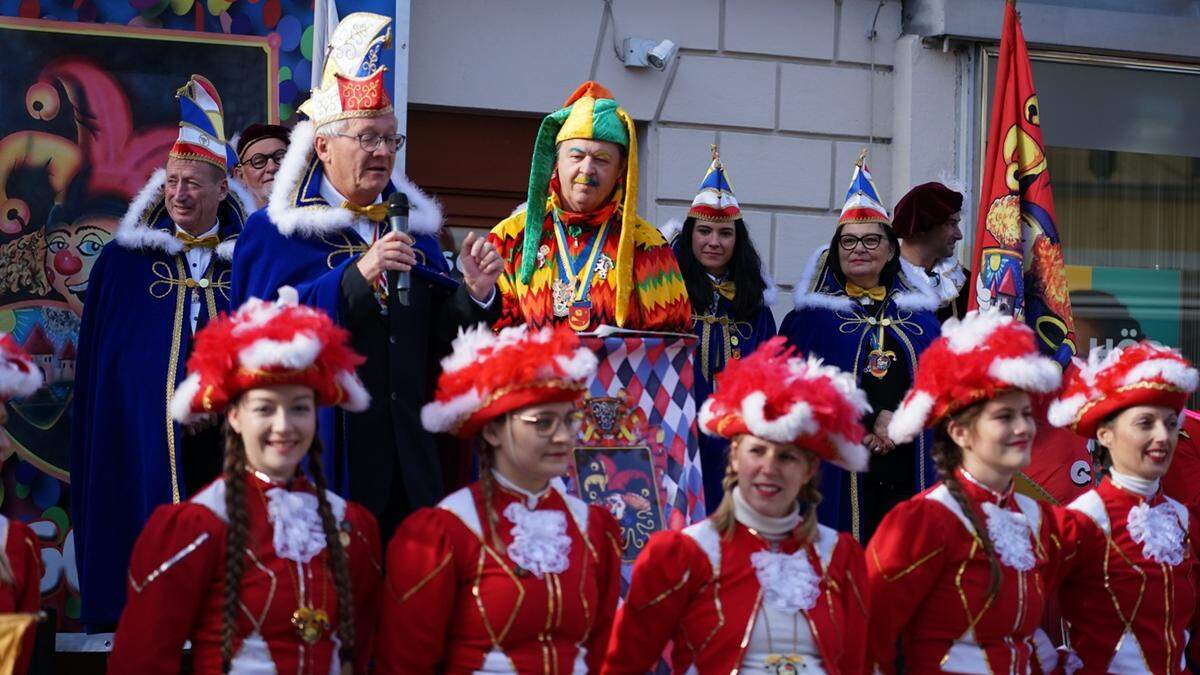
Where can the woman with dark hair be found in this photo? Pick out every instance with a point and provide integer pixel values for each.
(731, 297)
(1129, 595)
(510, 574)
(959, 574)
(759, 586)
(855, 309)
(264, 570)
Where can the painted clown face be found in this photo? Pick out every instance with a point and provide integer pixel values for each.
(71, 251)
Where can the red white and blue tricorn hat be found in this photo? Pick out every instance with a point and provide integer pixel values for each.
(19, 375)
(715, 201)
(862, 203)
(488, 374)
(779, 396)
(1144, 373)
(351, 82)
(202, 125)
(265, 344)
(975, 359)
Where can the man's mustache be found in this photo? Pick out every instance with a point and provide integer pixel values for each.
(584, 179)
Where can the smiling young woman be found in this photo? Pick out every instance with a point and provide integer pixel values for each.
(1133, 611)
(960, 573)
(760, 586)
(264, 570)
(510, 574)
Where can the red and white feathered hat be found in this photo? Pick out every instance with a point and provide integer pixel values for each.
(1145, 373)
(19, 375)
(488, 374)
(776, 395)
(975, 359)
(266, 344)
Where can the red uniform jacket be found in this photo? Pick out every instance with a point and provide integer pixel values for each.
(928, 577)
(701, 591)
(25, 558)
(177, 589)
(1128, 612)
(455, 603)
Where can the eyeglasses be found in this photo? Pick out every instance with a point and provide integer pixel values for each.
(370, 141)
(259, 161)
(848, 242)
(546, 424)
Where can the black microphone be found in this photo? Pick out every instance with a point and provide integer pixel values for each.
(397, 214)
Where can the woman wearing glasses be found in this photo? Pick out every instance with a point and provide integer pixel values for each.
(509, 574)
(855, 309)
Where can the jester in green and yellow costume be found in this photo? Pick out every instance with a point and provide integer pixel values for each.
(604, 266)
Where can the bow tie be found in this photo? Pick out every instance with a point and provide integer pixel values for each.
(876, 293)
(376, 213)
(190, 242)
(727, 289)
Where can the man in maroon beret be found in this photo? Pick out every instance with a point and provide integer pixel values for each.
(926, 220)
(260, 149)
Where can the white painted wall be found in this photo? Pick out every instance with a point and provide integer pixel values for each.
(785, 87)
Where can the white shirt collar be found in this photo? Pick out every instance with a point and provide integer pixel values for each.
(212, 231)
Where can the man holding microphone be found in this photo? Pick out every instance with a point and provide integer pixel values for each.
(326, 231)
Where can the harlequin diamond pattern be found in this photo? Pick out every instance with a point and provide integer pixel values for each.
(656, 373)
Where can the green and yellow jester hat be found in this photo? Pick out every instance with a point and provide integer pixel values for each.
(590, 113)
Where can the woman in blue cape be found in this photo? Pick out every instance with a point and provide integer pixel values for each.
(731, 299)
(855, 309)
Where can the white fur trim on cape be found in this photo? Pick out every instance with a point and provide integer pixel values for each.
(135, 233)
(909, 419)
(1029, 373)
(919, 296)
(17, 382)
(425, 215)
(948, 274)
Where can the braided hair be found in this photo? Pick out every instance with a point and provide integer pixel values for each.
(487, 484)
(337, 553)
(236, 535)
(948, 457)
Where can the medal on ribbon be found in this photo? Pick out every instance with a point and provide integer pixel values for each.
(574, 284)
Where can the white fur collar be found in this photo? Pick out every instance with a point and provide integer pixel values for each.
(916, 297)
(425, 216)
(136, 233)
(947, 280)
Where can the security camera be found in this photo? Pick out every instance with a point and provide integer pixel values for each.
(661, 55)
(639, 52)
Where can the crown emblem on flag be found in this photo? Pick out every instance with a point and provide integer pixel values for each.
(351, 83)
(862, 199)
(715, 201)
(202, 125)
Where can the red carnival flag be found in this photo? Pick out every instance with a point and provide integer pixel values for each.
(1018, 261)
